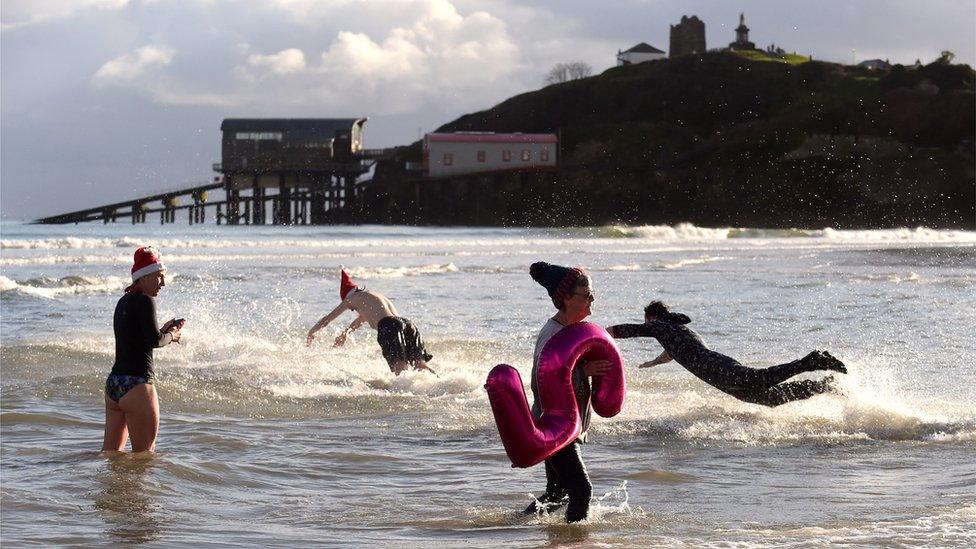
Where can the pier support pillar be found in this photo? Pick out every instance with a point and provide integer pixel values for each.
(233, 207)
(317, 206)
(284, 205)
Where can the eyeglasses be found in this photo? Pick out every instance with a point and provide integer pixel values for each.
(590, 296)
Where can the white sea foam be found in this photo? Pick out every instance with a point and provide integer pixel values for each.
(953, 526)
(920, 234)
(867, 407)
(398, 272)
(696, 261)
(682, 231)
(65, 259)
(70, 243)
(627, 267)
(910, 277)
(49, 288)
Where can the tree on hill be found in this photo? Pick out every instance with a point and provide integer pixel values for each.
(564, 72)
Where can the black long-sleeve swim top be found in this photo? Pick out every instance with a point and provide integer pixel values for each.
(682, 343)
(136, 335)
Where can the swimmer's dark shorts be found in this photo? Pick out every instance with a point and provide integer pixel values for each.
(400, 341)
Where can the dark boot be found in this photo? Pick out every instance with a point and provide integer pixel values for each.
(579, 502)
(834, 364)
(546, 503)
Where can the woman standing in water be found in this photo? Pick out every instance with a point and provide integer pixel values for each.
(131, 405)
(566, 478)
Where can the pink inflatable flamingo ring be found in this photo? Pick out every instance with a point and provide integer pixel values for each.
(529, 440)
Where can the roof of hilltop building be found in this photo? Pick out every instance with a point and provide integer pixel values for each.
(643, 47)
(493, 137)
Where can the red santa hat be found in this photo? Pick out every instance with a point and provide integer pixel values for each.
(346, 285)
(145, 261)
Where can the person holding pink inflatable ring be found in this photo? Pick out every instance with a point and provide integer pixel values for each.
(567, 481)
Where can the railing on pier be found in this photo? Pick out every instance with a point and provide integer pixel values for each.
(329, 203)
(137, 208)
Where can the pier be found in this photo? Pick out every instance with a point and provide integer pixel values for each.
(296, 171)
(252, 206)
(139, 209)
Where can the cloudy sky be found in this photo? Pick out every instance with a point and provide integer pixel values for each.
(104, 100)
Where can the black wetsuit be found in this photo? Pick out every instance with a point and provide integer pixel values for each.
(136, 335)
(759, 386)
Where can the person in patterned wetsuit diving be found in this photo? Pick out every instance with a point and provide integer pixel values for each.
(766, 386)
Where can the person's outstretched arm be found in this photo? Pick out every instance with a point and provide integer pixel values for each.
(624, 331)
(325, 320)
(663, 358)
(425, 367)
(340, 339)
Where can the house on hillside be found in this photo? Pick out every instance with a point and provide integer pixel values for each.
(638, 54)
(473, 152)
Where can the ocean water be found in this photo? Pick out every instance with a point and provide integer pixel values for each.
(264, 442)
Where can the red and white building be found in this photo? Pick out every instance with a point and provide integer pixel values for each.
(473, 152)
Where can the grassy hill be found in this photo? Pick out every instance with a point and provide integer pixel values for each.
(727, 138)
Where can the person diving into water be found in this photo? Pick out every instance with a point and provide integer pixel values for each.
(397, 336)
(766, 386)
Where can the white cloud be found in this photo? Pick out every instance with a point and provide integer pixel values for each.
(437, 56)
(307, 10)
(130, 66)
(283, 62)
(143, 70)
(381, 57)
(357, 54)
(22, 13)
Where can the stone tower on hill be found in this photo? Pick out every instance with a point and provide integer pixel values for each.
(687, 37)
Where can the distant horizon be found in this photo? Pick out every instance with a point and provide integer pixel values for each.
(116, 100)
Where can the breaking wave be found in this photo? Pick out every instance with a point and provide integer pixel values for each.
(51, 288)
(334, 241)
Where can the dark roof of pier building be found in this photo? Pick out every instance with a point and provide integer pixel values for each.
(292, 128)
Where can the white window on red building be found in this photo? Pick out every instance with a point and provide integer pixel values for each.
(448, 159)
(544, 155)
(506, 155)
(526, 155)
(481, 156)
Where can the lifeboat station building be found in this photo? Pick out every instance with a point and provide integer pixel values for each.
(447, 154)
(312, 162)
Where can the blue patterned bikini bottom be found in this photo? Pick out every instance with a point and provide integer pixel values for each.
(116, 385)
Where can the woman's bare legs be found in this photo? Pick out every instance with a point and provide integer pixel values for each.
(116, 432)
(141, 408)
